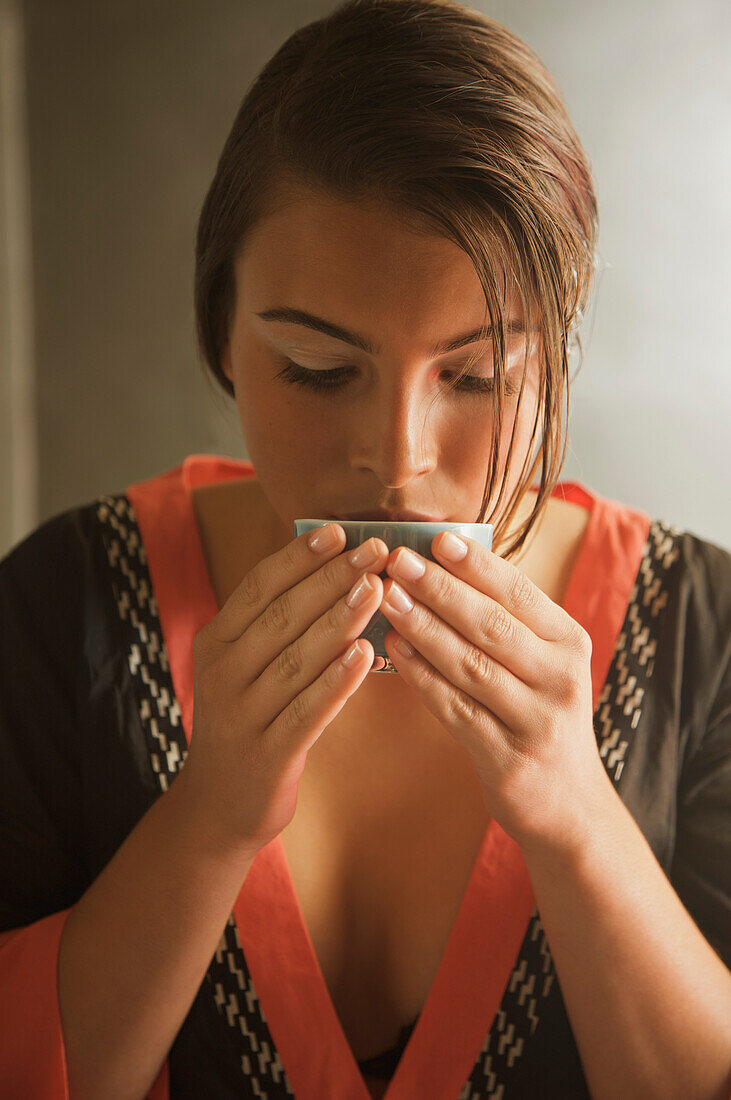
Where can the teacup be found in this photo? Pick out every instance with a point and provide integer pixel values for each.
(417, 536)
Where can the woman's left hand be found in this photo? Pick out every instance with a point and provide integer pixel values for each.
(508, 673)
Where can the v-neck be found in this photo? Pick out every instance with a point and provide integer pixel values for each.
(493, 917)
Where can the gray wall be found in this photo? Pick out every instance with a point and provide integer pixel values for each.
(128, 107)
(18, 421)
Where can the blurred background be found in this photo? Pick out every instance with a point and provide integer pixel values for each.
(112, 117)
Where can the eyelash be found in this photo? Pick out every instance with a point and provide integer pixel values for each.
(298, 375)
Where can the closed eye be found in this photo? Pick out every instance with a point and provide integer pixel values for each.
(338, 378)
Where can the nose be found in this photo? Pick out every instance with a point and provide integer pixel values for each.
(395, 434)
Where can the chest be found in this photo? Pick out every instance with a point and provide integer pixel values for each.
(380, 853)
(389, 818)
(386, 833)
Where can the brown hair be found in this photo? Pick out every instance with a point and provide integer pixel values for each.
(456, 123)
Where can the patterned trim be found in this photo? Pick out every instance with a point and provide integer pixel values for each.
(619, 710)
(620, 704)
(228, 976)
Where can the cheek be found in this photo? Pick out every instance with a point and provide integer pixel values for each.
(472, 444)
(290, 441)
(528, 407)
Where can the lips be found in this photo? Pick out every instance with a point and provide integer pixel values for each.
(403, 516)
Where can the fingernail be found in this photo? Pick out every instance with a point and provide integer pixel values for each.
(398, 599)
(359, 593)
(353, 655)
(324, 538)
(408, 566)
(451, 547)
(364, 555)
(403, 647)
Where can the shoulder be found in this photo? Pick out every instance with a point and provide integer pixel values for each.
(696, 630)
(681, 568)
(702, 582)
(54, 580)
(59, 548)
(707, 565)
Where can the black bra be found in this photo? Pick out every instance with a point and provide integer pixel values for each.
(384, 1065)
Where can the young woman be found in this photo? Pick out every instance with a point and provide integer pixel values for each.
(233, 863)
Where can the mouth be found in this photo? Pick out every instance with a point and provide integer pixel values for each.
(402, 516)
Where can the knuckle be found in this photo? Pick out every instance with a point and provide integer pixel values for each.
(289, 664)
(475, 666)
(292, 554)
(461, 707)
(496, 624)
(207, 642)
(298, 712)
(582, 641)
(278, 615)
(429, 628)
(442, 584)
(577, 638)
(325, 576)
(251, 589)
(569, 682)
(523, 593)
(329, 581)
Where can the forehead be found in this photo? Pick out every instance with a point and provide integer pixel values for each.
(313, 251)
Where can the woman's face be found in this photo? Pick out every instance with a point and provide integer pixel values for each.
(379, 438)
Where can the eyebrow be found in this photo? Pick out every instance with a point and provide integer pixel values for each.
(291, 316)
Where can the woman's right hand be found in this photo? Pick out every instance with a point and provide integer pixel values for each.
(269, 677)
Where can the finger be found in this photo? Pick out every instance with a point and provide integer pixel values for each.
(280, 630)
(298, 726)
(502, 581)
(478, 618)
(467, 669)
(481, 731)
(279, 699)
(275, 575)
